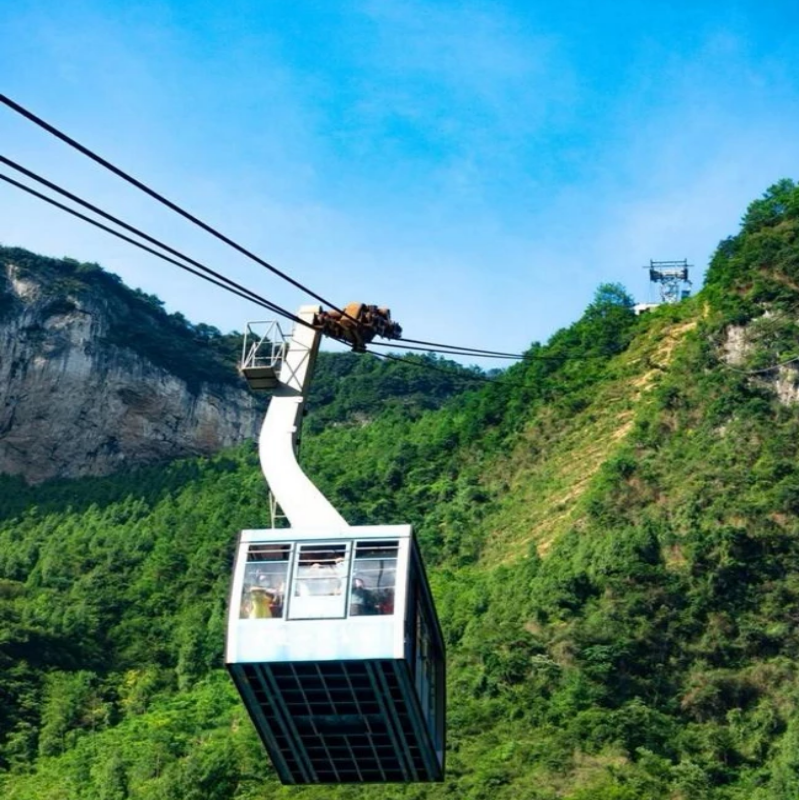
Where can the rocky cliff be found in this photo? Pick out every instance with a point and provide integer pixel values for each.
(94, 376)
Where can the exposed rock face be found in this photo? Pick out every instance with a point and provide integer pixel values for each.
(742, 340)
(786, 384)
(73, 403)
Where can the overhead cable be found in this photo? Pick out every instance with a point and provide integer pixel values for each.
(446, 371)
(455, 350)
(759, 371)
(452, 352)
(50, 185)
(439, 347)
(221, 280)
(424, 345)
(217, 279)
(477, 351)
(160, 198)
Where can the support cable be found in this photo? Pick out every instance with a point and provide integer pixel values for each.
(446, 371)
(439, 347)
(229, 286)
(220, 280)
(161, 199)
(477, 351)
(217, 234)
(455, 350)
(50, 185)
(452, 352)
(758, 371)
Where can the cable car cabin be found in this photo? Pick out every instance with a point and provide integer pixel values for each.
(334, 645)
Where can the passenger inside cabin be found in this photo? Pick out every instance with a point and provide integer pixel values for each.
(362, 599)
(261, 600)
(321, 578)
(262, 595)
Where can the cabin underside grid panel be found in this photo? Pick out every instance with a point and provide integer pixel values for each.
(338, 721)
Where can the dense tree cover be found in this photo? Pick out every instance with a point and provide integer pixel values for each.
(649, 651)
(759, 266)
(349, 389)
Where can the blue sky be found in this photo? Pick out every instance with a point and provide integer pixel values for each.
(479, 167)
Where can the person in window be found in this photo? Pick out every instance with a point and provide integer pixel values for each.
(261, 600)
(362, 600)
(276, 600)
(323, 578)
(385, 601)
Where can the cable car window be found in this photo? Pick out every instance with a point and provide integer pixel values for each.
(374, 578)
(319, 581)
(265, 576)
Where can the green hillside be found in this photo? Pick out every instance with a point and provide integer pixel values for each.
(611, 534)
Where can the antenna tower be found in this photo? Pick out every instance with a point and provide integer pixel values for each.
(672, 278)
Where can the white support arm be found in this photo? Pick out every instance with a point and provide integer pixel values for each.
(302, 503)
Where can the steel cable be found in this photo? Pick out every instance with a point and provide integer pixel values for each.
(160, 198)
(50, 185)
(217, 280)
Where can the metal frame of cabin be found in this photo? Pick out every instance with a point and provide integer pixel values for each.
(263, 348)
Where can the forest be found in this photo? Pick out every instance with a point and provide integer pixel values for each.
(609, 526)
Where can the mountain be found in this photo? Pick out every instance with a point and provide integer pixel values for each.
(610, 530)
(83, 354)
